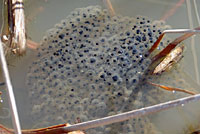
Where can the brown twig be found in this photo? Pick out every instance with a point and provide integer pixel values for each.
(110, 7)
(172, 88)
(57, 129)
(32, 45)
(172, 10)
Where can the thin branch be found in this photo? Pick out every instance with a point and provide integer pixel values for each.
(109, 7)
(172, 10)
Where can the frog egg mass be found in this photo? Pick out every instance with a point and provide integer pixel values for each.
(90, 66)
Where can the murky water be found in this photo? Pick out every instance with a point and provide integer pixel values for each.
(63, 82)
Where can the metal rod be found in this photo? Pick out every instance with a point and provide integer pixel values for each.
(131, 114)
(188, 33)
(181, 31)
(12, 103)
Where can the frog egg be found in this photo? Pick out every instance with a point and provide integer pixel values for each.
(95, 102)
(138, 104)
(118, 103)
(56, 83)
(93, 94)
(132, 82)
(116, 78)
(59, 26)
(103, 97)
(36, 109)
(85, 101)
(50, 104)
(160, 24)
(59, 120)
(101, 109)
(127, 128)
(44, 97)
(50, 34)
(70, 81)
(70, 94)
(70, 102)
(75, 13)
(132, 72)
(75, 101)
(143, 20)
(49, 82)
(83, 118)
(92, 131)
(78, 109)
(59, 92)
(61, 107)
(46, 110)
(101, 87)
(92, 112)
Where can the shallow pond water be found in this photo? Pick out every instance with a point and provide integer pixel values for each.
(73, 73)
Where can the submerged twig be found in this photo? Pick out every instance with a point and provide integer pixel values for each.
(110, 7)
(172, 88)
(32, 45)
(172, 10)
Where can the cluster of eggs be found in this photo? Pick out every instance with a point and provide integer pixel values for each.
(90, 65)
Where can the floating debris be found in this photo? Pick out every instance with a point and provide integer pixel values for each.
(172, 58)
